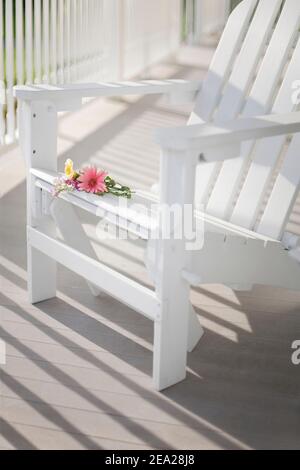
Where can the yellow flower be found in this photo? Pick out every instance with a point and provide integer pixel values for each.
(69, 170)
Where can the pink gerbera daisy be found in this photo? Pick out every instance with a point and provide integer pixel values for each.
(92, 181)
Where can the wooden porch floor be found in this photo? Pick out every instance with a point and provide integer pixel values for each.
(78, 368)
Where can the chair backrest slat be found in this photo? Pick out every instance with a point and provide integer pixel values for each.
(266, 154)
(222, 62)
(241, 77)
(259, 102)
(284, 194)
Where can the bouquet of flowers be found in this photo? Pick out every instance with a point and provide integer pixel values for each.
(89, 180)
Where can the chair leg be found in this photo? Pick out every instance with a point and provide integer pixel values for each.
(38, 139)
(41, 276)
(170, 338)
(195, 330)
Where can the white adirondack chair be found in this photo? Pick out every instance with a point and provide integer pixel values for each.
(244, 114)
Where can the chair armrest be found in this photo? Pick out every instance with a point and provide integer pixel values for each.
(56, 93)
(206, 138)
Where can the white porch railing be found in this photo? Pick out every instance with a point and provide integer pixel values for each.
(57, 41)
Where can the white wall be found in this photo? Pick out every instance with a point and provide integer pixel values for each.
(206, 18)
(151, 31)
